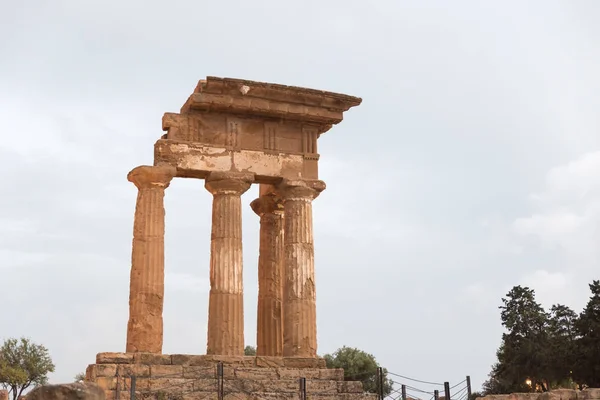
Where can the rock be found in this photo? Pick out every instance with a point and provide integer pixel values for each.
(589, 394)
(70, 391)
(3, 394)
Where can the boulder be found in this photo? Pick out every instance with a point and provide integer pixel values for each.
(70, 391)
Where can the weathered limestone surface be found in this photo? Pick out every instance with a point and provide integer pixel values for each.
(226, 300)
(233, 125)
(194, 377)
(71, 391)
(197, 161)
(299, 295)
(270, 273)
(145, 326)
(203, 360)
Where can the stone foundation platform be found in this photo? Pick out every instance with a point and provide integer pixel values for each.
(196, 377)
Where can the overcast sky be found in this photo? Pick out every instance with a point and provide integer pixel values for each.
(472, 165)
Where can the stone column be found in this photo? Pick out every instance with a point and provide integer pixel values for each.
(147, 282)
(269, 333)
(299, 297)
(226, 300)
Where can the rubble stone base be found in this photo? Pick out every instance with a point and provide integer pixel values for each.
(194, 377)
(558, 394)
(69, 391)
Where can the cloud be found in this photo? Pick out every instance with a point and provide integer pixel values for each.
(566, 213)
(564, 222)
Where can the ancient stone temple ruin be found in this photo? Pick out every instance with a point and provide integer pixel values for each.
(234, 133)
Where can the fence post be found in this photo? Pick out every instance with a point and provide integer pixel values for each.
(117, 386)
(302, 388)
(446, 390)
(403, 392)
(436, 394)
(468, 387)
(380, 382)
(132, 387)
(220, 393)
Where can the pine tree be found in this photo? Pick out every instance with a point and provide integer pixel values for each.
(587, 370)
(561, 348)
(522, 356)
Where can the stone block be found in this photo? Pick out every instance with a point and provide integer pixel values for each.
(589, 394)
(171, 385)
(296, 373)
(114, 358)
(262, 396)
(106, 383)
(200, 396)
(193, 372)
(90, 373)
(99, 370)
(334, 374)
(244, 361)
(139, 370)
(151, 359)
(560, 394)
(141, 384)
(256, 373)
(263, 386)
(187, 359)
(319, 387)
(344, 396)
(206, 385)
(298, 362)
(263, 361)
(350, 387)
(166, 371)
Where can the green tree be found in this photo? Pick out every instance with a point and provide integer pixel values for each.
(80, 377)
(23, 364)
(587, 369)
(561, 350)
(522, 355)
(250, 351)
(359, 366)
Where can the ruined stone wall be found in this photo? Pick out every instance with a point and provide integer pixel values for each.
(192, 377)
(559, 394)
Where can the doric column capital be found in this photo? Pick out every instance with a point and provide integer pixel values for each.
(228, 183)
(267, 204)
(300, 189)
(146, 176)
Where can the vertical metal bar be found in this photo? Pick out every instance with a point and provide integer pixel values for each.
(220, 393)
(380, 382)
(446, 390)
(468, 387)
(302, 388)
(132, 388)
(436, 394)
(403, 392)
(118, 386)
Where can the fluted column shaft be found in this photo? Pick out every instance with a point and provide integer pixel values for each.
(226, 299)
(269, 334)
(299, 296)
(147, 281)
